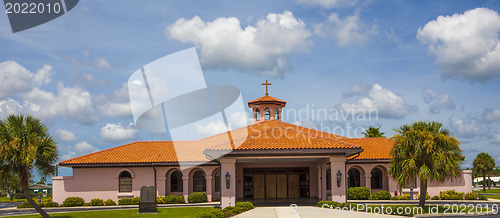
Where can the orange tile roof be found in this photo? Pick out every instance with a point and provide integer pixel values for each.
(267, 99)
(374, 148)
(264, 135)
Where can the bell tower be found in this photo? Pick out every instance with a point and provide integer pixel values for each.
(266, 107)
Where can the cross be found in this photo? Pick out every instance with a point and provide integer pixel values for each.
(266, 84)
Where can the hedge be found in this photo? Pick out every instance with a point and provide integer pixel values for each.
(380, 195)
(230, 211)
(109, 202)
(197, 197)
(358, 193)
(451, 195)
(174, 199)
(73, 202)
(96, 202)
(401, 197)
(129, 201)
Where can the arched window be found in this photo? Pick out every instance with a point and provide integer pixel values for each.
(277, 114)
(199, 182)
(354, 177)
(328, 179)
(217, 182)
(257, 114)
(376, 178)
(125, 182)
(176, 182)
(267, 115)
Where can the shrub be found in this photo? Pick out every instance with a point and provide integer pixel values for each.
(160, 200)
(213, 214)
(19, 196)
(401, 197)
(381, 195)
(427, 196)
(135, 201)
(25, 204)
(73, 202)
(435, 197)
(471, 196)
(483, 198)
(96, 202)
(51, 204)
(245, 205)
(197, 197)
(124, 201)
(109, 202)
(358, 193)
(86, 204)
(174, 199)
(451, 195)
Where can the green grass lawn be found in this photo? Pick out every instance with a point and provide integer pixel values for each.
(178, 212)
(493, 190)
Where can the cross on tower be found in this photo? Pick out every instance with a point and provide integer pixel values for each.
(266, 84)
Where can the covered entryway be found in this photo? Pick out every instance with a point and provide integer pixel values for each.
(276, 183)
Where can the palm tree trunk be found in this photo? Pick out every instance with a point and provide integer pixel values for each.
(423, 194)
(489, 181)
(37, 207)
(484, 182)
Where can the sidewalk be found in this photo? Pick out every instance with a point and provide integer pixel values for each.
(304, 212)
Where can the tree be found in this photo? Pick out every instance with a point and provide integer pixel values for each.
(483, 164)
(9, 183)
(373, 132)
(25, 145)
(427, 151)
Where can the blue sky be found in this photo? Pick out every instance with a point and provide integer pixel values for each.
(408, 60)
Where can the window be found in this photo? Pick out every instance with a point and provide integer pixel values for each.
(328, 179)
(267, 114)
(376, 178)
(354, 178)
(277, 114)
(199, 183)
(217, 182)
(176, 182)
(257, 114)
(125, 182)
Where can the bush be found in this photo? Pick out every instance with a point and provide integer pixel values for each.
(124, 201)
(246, 205)
(51, 204)
(451, 195)
(96, 202)
(358, 193)
(160, 200)
(435, 197)
(483, 198)
(401, 197)
(197, 197)
(25, 204)
(135, 201)
(381, 195)
(109, 202)
(174, 199)
(471, 196)
(19, 196)
(73, 202)
(213, 214)
(427, 196)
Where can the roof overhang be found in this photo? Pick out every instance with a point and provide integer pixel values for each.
(281, 152)
(173, 164)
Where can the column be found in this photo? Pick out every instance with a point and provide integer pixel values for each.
(368, 180)
(320, 195)
(208, 178)
(323, 182)
(228, 195)
(337, 163)
(185, 187)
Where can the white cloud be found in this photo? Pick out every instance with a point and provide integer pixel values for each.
(210, 129)
(491, 115)
(87, 79)
(102, 64)
(9, 106)
(223, 43)
(119, 132)
(348, 31)
(467, 128)
(116, 106)
(357, 90)
(384, 102)
(84, 147)
(466, 45)
(15, 79)
(80, 148)
(42, 76)
(330, 3)
(438, 102)
(72, 103)
(65, 135)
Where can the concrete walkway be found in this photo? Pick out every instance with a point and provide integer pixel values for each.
(303, 212)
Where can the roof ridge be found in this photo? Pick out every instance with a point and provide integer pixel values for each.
(97, 152)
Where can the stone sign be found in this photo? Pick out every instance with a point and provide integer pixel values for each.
(148, 200)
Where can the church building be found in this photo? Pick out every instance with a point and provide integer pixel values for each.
(274, 160)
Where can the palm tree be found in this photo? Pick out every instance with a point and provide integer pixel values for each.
(25, 146)
(425, 150)
(483, 163)
(373, 132)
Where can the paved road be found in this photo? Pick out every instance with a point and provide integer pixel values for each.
(9, 204)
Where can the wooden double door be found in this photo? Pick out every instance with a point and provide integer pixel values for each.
(276, 184)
